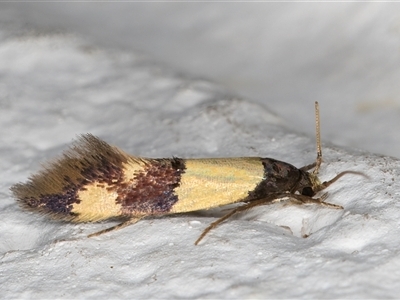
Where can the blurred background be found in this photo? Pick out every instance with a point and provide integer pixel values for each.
(284, 55)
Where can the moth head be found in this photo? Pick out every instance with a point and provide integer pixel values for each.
(310, 184)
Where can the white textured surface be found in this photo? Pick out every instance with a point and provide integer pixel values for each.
(284, 55)
(54, 87)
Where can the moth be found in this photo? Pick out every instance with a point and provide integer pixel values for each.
(93, 181)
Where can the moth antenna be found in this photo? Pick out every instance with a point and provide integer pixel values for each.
(318, 139)
(325, 184)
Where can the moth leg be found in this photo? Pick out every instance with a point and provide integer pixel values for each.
(301, 199)
(263, 201)
(292, 198)
(116, 227)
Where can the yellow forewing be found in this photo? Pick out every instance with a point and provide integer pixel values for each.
(96, 204)
(208, 183)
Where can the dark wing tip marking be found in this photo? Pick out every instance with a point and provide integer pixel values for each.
(53, 190)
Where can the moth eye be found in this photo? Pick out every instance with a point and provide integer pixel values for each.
(307, 191)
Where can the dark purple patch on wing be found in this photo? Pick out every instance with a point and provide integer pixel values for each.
(152, 190)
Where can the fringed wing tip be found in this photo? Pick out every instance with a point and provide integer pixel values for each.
(53, 190)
